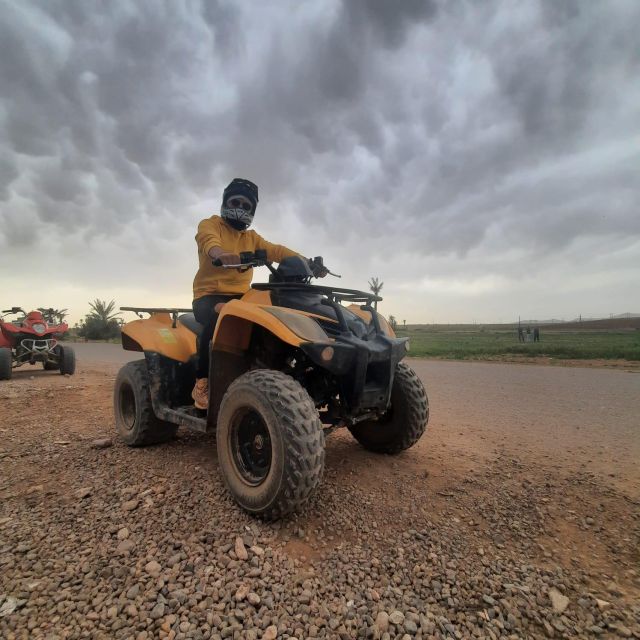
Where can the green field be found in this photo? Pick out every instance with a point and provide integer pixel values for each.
(465, 342)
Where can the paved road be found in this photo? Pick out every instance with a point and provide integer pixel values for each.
(99, 352)
(585, 419)
(582, 418)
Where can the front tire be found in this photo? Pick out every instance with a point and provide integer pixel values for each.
(67, 361)
(404, 422)
(6, 361)
(136, 423)
(270, 443)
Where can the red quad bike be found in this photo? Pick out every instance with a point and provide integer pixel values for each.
(33, 338)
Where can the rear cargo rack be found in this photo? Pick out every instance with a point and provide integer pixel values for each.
(172, 311)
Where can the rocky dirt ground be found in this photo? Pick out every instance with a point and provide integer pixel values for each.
(516, 516)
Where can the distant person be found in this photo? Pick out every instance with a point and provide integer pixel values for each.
(536, 334)
(520, 335)
(223, 237)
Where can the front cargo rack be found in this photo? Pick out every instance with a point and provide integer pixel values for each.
(336, 294)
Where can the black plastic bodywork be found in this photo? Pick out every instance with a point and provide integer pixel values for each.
(364, 357)
(170, 384)
(363, 370)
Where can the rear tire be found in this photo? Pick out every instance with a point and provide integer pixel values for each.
(405, 421)
(6, 361)
(67, 361)
(270, 443)
(136, 423)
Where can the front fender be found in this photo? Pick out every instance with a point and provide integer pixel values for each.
(8, 333)
(237, 319)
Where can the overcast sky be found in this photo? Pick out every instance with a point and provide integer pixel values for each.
(481, 158)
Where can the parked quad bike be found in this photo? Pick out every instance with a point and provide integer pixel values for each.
(289, 364)
(33, 337)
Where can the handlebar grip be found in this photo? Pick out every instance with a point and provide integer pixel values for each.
(217, 262)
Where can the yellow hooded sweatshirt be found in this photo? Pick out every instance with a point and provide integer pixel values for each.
(215, 232)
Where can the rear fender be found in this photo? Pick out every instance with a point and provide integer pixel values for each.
(158, 335)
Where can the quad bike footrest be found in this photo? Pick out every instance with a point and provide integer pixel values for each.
(187, 416)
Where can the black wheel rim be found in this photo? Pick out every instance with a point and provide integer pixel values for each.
(127, 406)
(251, 447)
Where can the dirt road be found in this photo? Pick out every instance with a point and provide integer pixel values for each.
(524, 491)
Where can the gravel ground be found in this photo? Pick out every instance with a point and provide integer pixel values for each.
(479, 531)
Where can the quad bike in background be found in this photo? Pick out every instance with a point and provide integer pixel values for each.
(290, 362)
(33, 337)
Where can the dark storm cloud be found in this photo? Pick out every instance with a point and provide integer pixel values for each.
(433, 121)
(388, 21)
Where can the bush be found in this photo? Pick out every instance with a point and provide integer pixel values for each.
(97, 329)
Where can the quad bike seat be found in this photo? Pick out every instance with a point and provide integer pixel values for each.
(190, 322)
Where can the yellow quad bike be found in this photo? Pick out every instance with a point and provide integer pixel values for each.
(290, 362)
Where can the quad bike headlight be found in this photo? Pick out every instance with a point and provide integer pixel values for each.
(303, 326)
(39, 328)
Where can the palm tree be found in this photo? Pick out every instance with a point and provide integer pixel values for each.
(103, 311)
(60, 315)
(375, 284)
(47, 313)
(57, 315)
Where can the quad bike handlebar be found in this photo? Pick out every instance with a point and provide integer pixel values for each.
(249, 260)
(14, 310)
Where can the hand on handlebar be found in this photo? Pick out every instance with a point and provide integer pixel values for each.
(226, 259)
(318, 269)
(243, 262)
(230, 261)
(320, 272)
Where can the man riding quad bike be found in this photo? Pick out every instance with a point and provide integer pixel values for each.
(288, 362)
(221, 239)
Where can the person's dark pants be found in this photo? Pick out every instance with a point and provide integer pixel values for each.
(204, 311)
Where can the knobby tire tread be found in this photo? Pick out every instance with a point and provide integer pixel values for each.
(5, 363)
(151, 429)
(303, 437)
(67, 361)
(404, 435)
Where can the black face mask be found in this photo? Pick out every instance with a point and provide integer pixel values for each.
(237, 225)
